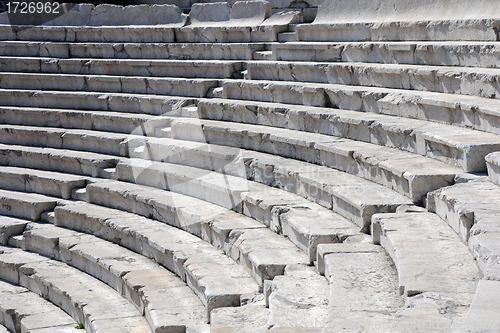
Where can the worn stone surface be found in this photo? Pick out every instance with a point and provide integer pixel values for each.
(428, 254)
(215, 278)
(481, 316)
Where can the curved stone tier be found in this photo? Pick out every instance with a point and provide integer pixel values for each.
(237, 170)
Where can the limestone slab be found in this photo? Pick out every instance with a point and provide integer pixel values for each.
(59, 160)
(171, 247)
(129, 103)
(25, 205)
(379, 164)
(428, 254)
(481, 316)
(10, 226)
(107, 83)
(41, 182)
(124, 67)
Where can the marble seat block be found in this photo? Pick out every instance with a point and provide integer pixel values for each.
(25, 205)
(461, 147)
(10, 226)
(103, 121)
(128, 103)
(493, 164)
(25, 311)
(480, 317)
(216, 279)
(42, 182)
(108, 83)
(460, 110)
(209, 14)
(428, 254)
(139, 279)
(408, 178)
(123, 67)
(59, 160)
(75, 292)
(179, 51)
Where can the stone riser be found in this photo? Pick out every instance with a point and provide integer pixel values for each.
(446, 30)
(466, 150)
(301, 178)
(80, 140)
(216, 279)
(120, 269)
(23, 311)
(115, 122)
(25, 205)
(147, 34)
(222, 228)
(180, 51)
(428, 255)
(73, 291)
(124, 34)
(132, 103)
(375, 163)
(463, 54)
(471, 209)
(41, 182)
(467, 111)
(112, 84)
(136, 67)
(10, 226)
(202, 219)
(73, 162)
(450, 80)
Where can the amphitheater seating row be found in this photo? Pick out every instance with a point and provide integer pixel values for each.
(160, 160)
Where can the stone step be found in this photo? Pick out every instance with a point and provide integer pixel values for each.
(10, 226)
(287, 37)
(431, 261)
(215, 69)
(90, 302)
(93, 101)
(139, 279)
(344, 193)
(25, 205)
(53, 184)
(458, 146)
(58, 160)
(482, 313)
(363, 283)
(252, 318)
(404, 30)
(442, 53)
(468, 111)
(227, 230)
(146, 50)
(24, 311)
(240, 33)
(471, 209)
(298, 300)
(105, 121)
(108, 83)
(493, 166)
(60, 138)
(353, 198)
(96, 34)
(409, 174)
(262, 55)
(216, 279)
(480, 82)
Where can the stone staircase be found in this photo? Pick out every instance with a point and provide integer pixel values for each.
(239, 170)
